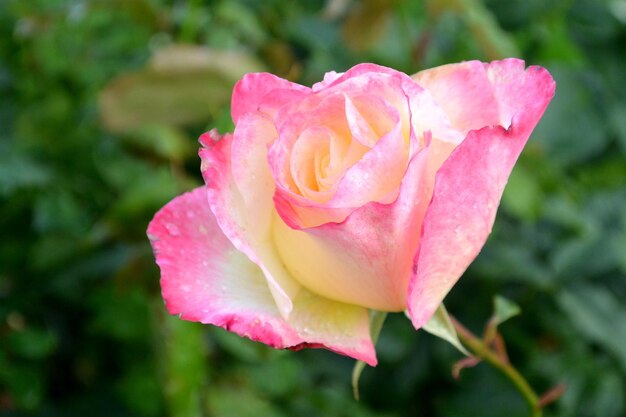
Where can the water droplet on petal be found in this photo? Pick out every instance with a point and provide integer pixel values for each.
(172, 229)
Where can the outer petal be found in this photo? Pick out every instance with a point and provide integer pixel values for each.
(468, 189)
(265, 90)
(522, 96)
(246, 226)
(239, 199)
(340, 327)
(464, 92)
(204, 278)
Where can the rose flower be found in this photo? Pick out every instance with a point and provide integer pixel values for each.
(372, 190)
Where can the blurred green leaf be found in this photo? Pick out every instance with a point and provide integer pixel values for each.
(18, 171)
(245, 21)
(32, 343)
(277, 378)
(495, 43)
(617, 118)
(182, 85)
(241, 348)
(52, 250)
(26, 386)
(139, 383)
(59, 211)
(375, 15)
(234, 401)
(112, 310)
(523, 195)
(147, 193)
(610, 399)
(504, 309)
(572, 129)
(598, 315)
(165, 141)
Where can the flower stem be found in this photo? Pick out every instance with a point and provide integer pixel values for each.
(482, 351)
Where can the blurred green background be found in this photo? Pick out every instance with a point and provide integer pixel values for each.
(101, 102)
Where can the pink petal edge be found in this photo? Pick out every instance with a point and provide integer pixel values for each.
(310, 316)
(469, 185)
(263, 89)
(205, 279)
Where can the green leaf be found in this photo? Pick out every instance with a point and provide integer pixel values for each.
(20, 171)
(181, 86)
(377, 319)
(375, 15)
(166, 141)
(504, 309)
(32, 343)
(495, 42)
(241, 401)
(584, 135)
(441, 326)
(597, 313)
(523, 195)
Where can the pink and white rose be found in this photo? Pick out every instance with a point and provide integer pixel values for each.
(370, 190)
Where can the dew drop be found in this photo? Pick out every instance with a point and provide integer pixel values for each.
(172, 229)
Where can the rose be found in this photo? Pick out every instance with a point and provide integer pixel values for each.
(370, 190)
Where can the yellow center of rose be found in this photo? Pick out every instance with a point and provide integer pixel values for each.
(340, 161)
(342, 130)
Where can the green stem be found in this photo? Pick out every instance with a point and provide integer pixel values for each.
(482, 351)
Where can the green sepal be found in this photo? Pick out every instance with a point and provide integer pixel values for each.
(377, 318)
(441, 326)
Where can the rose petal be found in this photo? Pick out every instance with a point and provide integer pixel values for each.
(339, 327)
(329, 77)
(521, 94)
(366, 259)
(246, 229)
(204, 278)
(265, 90)
(379, 172)
(304, 161)
(381, 117)
(464, 92)
(468, 189)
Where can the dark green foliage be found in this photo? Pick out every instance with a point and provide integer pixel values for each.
(82, 328)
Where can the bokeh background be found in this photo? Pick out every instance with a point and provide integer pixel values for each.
(101, 102)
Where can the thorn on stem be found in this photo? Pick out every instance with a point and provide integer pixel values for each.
(462, 364)
(551, 395)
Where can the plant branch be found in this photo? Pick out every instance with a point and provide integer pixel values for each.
(482, 351)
